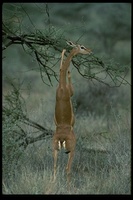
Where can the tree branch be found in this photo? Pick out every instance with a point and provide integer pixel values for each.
(89, 64)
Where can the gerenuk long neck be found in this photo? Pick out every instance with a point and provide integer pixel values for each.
(65, 66)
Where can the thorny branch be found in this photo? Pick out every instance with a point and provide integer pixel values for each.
(46, 59)
(14, 110)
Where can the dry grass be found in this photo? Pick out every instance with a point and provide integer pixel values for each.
(102, 158)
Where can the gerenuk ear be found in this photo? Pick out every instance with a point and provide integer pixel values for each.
(70, 43)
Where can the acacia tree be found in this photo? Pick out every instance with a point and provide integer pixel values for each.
(43, 46)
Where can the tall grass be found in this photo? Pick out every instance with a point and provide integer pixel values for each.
(102, 162)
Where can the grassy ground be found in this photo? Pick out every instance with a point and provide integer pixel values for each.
(102, 158)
